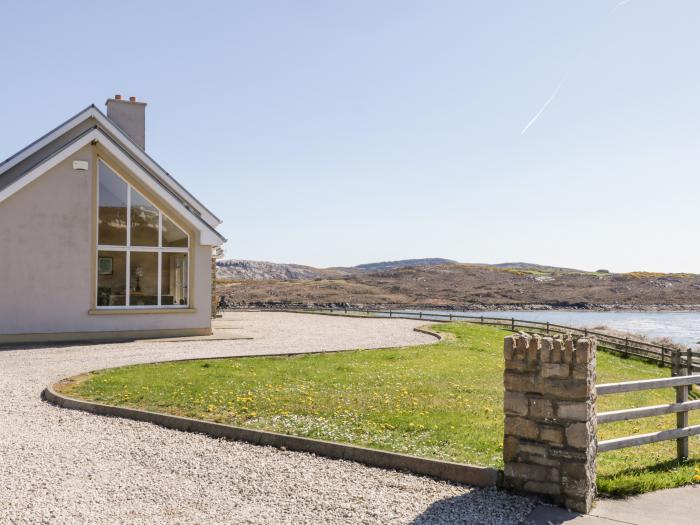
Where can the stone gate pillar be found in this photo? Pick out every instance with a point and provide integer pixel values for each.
(549, 446)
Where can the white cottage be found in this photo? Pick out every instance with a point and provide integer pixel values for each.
(98, 241)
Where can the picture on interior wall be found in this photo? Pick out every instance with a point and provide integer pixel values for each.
(105, 266)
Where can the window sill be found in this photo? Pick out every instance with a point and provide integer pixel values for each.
(151, 311)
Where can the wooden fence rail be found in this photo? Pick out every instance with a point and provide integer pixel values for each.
(681, 408)
(626, 346)
(655, 410)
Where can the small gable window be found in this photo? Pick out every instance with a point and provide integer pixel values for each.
(142, 254)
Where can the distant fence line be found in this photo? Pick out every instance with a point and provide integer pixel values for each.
(662, 355)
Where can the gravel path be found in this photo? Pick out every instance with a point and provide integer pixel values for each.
(63, 466)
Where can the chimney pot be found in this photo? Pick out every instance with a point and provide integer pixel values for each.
(132, 99)
(117, 97)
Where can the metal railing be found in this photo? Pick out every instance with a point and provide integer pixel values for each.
(626, 346)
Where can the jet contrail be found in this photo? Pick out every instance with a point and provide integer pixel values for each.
(556, 91)
(549, 100)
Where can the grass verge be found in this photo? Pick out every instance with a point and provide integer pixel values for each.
(440, 401)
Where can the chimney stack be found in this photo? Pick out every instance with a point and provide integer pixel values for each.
(129, 116)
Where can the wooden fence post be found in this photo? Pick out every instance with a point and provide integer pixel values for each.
(681, 397)
(548, 327)
(689, 366)
(512, 324)
(675, 362)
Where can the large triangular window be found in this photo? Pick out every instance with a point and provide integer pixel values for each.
(142, 254)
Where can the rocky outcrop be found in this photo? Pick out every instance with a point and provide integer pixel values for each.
(242, 270)
(245, 270)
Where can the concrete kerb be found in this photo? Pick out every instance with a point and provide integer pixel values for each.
(443, 470)
(427, 331)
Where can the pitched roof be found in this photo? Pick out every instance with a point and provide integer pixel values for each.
(92, 125)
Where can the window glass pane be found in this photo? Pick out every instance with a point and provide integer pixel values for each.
(112, 212)
(144, 221)
(174, 279)
(173, 237)
(143, 285)
(111, 278)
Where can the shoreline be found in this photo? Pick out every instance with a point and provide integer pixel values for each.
(609, 308)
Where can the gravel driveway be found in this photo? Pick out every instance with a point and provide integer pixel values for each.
(63, 466)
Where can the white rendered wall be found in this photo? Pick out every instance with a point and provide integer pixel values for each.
(46, 254)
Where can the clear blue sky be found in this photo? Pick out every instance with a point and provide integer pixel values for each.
(336, 133)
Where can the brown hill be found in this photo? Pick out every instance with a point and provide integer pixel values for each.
(466, 286)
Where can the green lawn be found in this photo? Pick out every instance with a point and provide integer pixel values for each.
(441, 401)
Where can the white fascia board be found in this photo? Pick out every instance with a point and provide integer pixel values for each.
(92, 112)
(207, 237)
